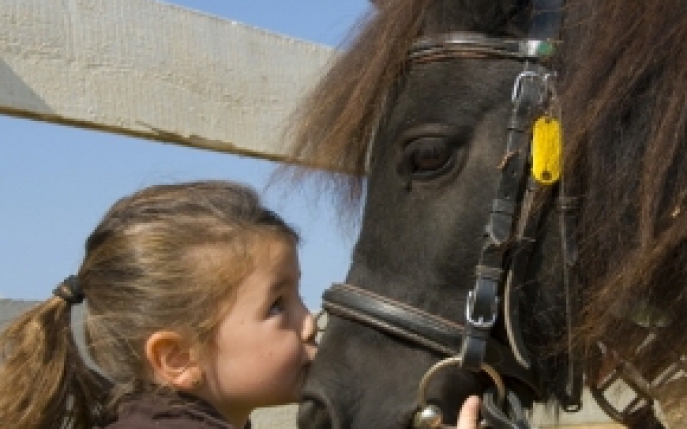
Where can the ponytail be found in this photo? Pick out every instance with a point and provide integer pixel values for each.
(43, 380)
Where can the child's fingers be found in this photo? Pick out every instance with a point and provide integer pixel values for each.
(469, 414)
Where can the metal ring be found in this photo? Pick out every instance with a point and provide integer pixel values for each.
(456, 360)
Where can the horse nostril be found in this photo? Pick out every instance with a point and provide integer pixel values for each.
(313, 415)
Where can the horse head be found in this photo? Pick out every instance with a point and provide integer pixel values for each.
(442, 169)
(463, 254)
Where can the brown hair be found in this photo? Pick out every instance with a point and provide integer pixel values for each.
(148, 262)
(334, 124)
(626, 138)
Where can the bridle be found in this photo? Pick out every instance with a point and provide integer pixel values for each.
(513, 221)
(470, 345)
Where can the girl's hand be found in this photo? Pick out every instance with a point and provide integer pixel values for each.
(469, 414)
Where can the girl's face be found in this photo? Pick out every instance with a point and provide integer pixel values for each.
(265, 343)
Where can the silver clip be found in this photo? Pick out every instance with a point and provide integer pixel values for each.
(518, 82)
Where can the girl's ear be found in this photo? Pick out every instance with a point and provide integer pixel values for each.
(172, 361)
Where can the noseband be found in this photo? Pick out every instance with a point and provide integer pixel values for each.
(511, 224)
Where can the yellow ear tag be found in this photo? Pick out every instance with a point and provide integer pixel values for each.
(546, 150)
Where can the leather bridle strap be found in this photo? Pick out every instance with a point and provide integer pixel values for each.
(457, 44)
(493, 270)
(416, 326)
(393, 317)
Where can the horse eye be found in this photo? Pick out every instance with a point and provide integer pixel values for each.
(427, 157)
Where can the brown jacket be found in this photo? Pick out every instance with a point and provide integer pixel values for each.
(159, 412)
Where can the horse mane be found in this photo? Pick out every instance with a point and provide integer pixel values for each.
(335, 122)
(624, 108)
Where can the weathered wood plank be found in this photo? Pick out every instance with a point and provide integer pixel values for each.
(153, 70)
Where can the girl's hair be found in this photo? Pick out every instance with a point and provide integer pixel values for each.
(153, 263)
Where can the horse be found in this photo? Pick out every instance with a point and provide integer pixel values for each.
(522, 168)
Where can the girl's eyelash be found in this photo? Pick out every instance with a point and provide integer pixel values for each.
(278, 304)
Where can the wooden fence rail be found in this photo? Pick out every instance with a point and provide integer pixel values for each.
(152, 70)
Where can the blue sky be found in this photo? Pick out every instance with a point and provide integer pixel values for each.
(56, 182)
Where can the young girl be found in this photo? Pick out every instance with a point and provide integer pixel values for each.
(192, 319)
(193, 316)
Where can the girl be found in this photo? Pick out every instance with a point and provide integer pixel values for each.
(193, 320)
(193, 316)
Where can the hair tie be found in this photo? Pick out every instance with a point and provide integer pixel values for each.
(70, 291)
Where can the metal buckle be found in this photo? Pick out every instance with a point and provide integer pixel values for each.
(480, 322)
(547, 91)
(518, 82)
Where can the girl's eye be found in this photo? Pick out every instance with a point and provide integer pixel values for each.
(277, 307)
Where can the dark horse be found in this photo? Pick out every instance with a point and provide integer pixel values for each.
(527, 285)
